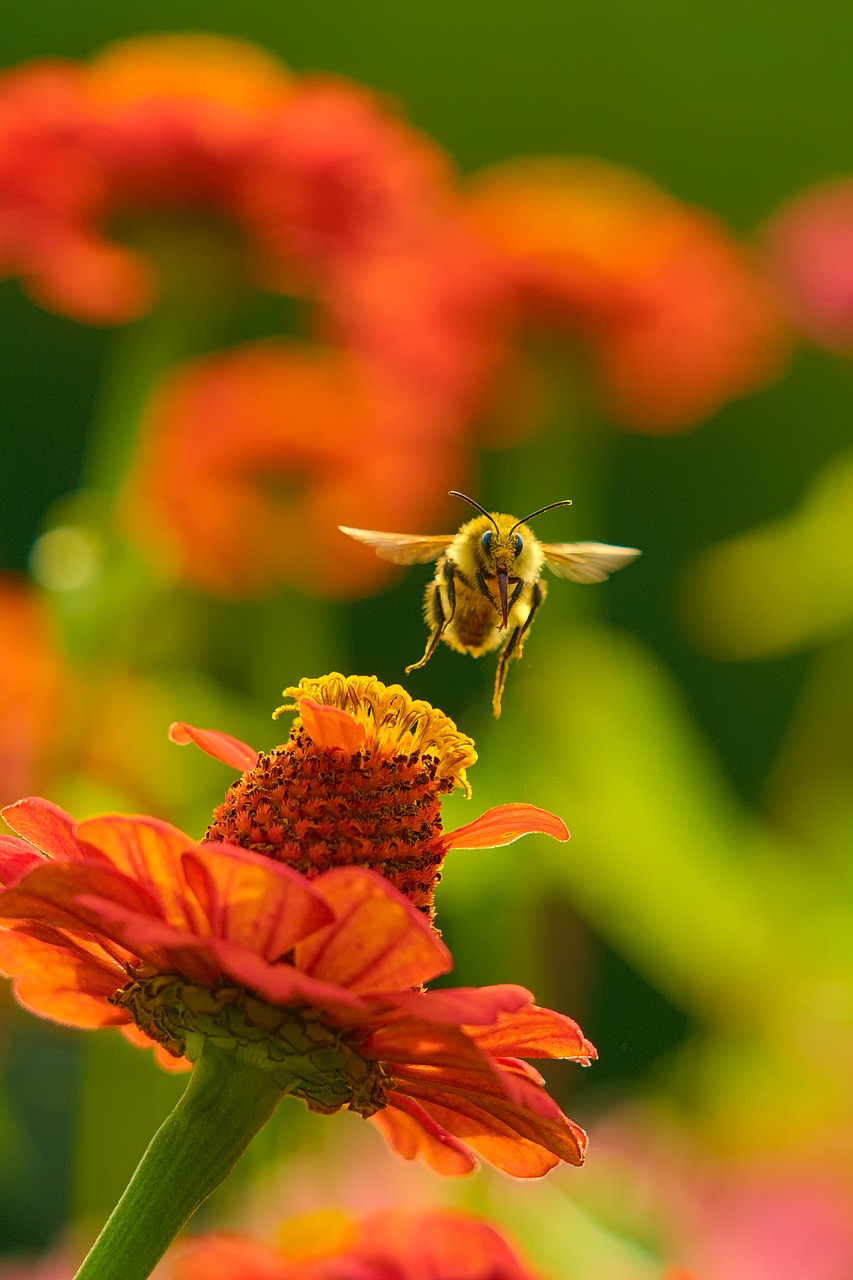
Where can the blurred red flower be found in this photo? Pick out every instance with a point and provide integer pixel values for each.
(808, 246)
(674, 317)
(439, 1244)
(250, 460)
(297, 172)
(34, 687)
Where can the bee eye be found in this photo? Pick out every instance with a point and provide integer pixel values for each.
(518, 544)
(487, 541)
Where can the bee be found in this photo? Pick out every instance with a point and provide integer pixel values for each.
(487, 587)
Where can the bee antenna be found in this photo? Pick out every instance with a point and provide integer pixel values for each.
(454, 493)
(564, 502)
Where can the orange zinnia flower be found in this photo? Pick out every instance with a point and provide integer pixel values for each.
(665, 300)
(300, 172)
(252, 458)
(122, 921)
(438, 1244)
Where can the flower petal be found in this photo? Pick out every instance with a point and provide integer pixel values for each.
(150, 852)
(252, 901)
(411, 1041)
(52, 893)
(331, 727)
(46, 826)
(60, 981)
(221, 746)
(509, 1134)
(16, 859)
(504, 824)
(165, 946)
(463, 1005)
(412, 1132)
(284, 985)
(534, 1033)
(378, 943)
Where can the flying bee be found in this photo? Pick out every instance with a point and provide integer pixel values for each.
(487, 587)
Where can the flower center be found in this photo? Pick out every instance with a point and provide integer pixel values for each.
(372, 802)
(311, 1061)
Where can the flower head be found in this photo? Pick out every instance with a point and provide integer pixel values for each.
(665, 301)
(127, 922)
(251, 458)
(359, 782)
(438, 1244)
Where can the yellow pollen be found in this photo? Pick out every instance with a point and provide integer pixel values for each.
(393, 722)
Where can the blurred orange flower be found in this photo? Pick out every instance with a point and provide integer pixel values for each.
(361, 757)
(34, 687)
(251, 459)
(440, 1244)
(298, 172)
(808, 246)
(127, 922)
(674, 317)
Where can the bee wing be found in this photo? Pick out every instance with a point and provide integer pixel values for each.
(586, 561)
(401, 548)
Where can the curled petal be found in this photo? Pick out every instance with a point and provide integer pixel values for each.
(331, 726)
(534, 1033)
(506, 823)
(252, 901)
(221, 746)
(509, 1134)
(46, 826)
(412, 1132)
(463, 1005)
(379, 942)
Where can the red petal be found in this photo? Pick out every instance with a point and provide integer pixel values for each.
(46, 826)
(252, 901)
(464, 1005)
(410, 1041)
(504, 824)
(52, 893)
(166, 947)
(378, 943)
(331, 726)
(150, 851)
(412, 1133)
(283, 985)
(60, 981)
(535, 1033)
(16, 859)
(221, 746)
(508, 1134)
(218, 1256)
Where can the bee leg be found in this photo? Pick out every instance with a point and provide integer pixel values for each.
(514, 645)
(436, 617)
(537, 596)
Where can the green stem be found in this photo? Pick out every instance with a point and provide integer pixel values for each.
(224, 1105)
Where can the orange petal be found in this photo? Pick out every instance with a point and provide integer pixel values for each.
(411, 1041)
(164, 946)
(331, 726)
(218, 1256)
(464, 1005)
(52, 894)
(252, 901)
(506, 1133)
(412, 1132)
(534, 1033)
(219, 745)
(379, 942)
(16, 859)
(504, 824)
(149, 851)
(61, 982)
(45, 825)
(284, 985)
